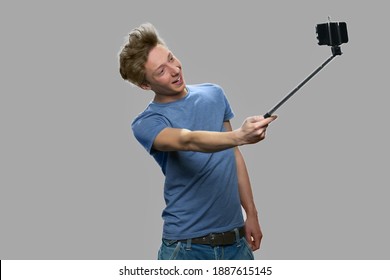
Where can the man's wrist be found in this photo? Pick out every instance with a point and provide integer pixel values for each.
(237, 137)
(251, 212)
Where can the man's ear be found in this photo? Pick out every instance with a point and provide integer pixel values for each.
(145, 86)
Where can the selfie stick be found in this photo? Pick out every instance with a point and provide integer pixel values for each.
(331, 34)
(270, 112)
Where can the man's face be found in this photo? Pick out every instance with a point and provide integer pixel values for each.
(164, 75)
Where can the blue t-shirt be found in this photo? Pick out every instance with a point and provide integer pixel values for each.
(201, 189)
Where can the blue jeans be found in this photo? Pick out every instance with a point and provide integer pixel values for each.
(179, 250)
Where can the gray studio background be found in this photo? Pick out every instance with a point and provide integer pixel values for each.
(75, 184)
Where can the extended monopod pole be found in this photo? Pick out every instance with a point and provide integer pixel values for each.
(335, 50)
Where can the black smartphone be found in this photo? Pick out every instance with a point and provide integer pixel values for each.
(332, 33)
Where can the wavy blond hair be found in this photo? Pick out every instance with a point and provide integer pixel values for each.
(134, 53)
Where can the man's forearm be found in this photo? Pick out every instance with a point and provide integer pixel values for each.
(210, 141)
(244, 186)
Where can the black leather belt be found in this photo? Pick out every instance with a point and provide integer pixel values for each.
(218, 239)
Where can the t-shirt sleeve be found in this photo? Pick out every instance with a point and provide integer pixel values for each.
(229, 114)
(147, 128)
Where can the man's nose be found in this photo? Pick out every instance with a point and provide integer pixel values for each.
(174, 69)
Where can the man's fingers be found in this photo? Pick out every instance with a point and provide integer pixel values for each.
(249, 239)
(257, 244)
(255, 119)
(254, 242)
(254, 128)
(268, 120)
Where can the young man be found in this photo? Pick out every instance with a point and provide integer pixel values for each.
(186, 128)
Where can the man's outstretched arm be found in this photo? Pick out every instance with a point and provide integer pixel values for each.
(176, 139)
